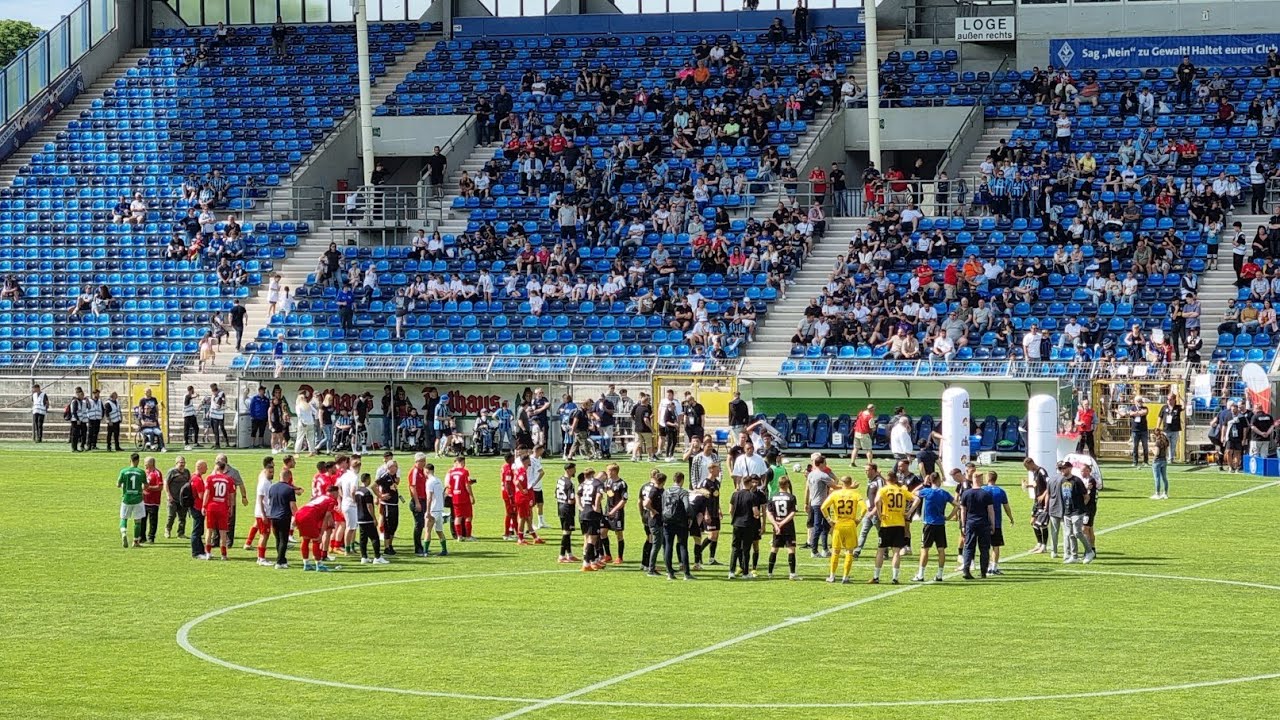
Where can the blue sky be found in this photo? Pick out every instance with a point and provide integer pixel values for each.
(42, 13)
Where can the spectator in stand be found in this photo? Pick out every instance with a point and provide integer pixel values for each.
(279, 37)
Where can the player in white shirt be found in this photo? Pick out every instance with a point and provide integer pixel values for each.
(348, 483)
(534, 472)
(260, 520)
(435, 511)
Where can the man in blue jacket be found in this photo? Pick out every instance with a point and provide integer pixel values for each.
(259, 405)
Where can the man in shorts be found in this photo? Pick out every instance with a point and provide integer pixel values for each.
(932, 503)
(891, 505)
(567, 510)
(782, 515)
(132, 481)
(262, 509)
(863, 426)
(344, 531)
(1000, 501)
(615, 512)
(524, 504)
(844, 508)
(312, 520)
(591, 512)
(219, 495)
(435, 497)
(463, 498)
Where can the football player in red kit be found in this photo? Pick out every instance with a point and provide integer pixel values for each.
(524, 507)
(508, 480)
(458, 482)
(219, 493)
(312, 521)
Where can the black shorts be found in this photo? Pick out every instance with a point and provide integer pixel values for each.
(537, 497)
(785, 538)
(591, 523)
(1088, 518)
(934, 536)
(893, 537)
(568, 519)
(997, 537)
(695, 527)
(616, 523)
(1213, 251)
(711, 521)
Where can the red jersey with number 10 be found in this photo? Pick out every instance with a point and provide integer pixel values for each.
(219, 489)
(459, 481)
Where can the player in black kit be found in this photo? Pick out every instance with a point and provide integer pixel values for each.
(368, 522)
(388, 483)
(651, 513)
(705, 498)
(615, 512)
(566, 503)
(590, 505)
(782, 515)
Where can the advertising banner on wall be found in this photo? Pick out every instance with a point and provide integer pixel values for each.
(39, 111)
(465, 399)
(1154, 51)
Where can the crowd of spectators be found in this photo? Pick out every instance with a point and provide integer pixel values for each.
(657, 182)
(1092, 210)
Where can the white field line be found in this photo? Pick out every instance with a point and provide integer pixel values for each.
(609, 682)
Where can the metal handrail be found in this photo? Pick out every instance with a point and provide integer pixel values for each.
(479, 368)
(976, 113)
(985, 369)
(305, 202)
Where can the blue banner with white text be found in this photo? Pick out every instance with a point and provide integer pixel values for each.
(1153, 51)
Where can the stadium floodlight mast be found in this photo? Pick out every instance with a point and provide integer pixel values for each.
(358, 7)
(873, 82)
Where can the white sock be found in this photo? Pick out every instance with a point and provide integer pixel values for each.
(877, 574)
(895, 573)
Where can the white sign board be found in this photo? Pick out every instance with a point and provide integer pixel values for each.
(985, 29)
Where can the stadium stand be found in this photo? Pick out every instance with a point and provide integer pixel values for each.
(109, 239)
(614, 217)
(1091, 226)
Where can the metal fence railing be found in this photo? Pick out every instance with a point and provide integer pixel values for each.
(57, 51)
(985, 369)
(475, 368)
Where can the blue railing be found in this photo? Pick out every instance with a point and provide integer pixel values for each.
(54, 53)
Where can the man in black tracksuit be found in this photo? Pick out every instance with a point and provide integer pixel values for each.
(745, 514)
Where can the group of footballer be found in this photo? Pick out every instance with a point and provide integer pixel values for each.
(347, 508)
(352, 511)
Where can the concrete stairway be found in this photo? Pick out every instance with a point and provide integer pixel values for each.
(9, 170)
(289, 202)
(773, 336)
(1218, 287)
(993, 133)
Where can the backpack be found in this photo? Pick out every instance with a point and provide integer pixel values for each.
(187, 497)
(66, 412)
(674, 509)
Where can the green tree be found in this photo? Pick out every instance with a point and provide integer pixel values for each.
(16, 36)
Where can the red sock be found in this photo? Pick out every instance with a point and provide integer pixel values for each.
(224, 550)
(208, 549)
(262, 551)
(315, 549)
(253, 533)
(460, 528)
(520, 535)
(467, 524)
(306, 549)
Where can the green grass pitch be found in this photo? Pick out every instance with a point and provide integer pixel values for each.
(495, 630)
